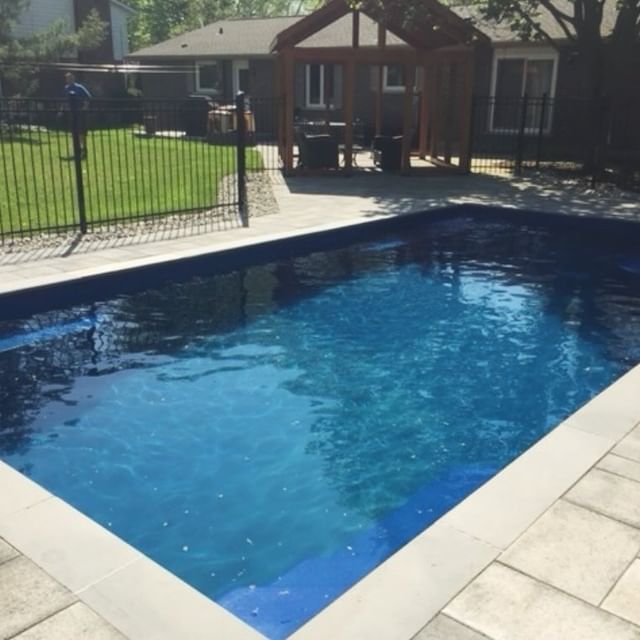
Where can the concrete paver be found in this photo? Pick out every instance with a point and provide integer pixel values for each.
(7, 552)
(27, 596)
(630, 446)
(507, 605)
(610, 495)
(621, 466)
(576, 550)
(444, 628)
(624, 600)
(76, 622)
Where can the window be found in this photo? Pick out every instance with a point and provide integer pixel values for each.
(516, 74)
(207, 78)
(393, 78)
(240, 76)
(323, 86)
(315, 86)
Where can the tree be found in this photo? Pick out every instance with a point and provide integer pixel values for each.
(157, 20)
(19, 57)
(583, 23)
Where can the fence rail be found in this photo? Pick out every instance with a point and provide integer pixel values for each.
(600, 137)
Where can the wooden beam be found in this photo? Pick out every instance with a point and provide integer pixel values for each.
(382, 43)
(435, 71)
(310, 24)
(288, 86)
(449, 109)
(362, 55)
(425, 98)
(349, 83)
(355, 36)
(378, 103)
(280, 111)
(466, 114)
(407, 119)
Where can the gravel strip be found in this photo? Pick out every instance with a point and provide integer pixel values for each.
(260, 199)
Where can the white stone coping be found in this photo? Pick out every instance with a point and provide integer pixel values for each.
(393, 602)
(245, 240)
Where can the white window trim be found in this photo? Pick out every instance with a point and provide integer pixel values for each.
(307, 87)
(528, 53)
(237, 66)
(386, 88)
(205, 90)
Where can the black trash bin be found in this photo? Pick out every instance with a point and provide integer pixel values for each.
(388, 152)
(195, 112)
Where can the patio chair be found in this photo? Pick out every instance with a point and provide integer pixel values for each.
(318, 151)
(387, 152)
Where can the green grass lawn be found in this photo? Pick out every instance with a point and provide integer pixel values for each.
(125, 176)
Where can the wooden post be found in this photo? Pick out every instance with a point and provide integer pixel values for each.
(378, 102)
(435, 101)
(325, 84)
(280, 105)
(466, 113)
(425, 99)
(356, 28)
(409, 81)
(287, 61)
(382, 41)
(349, 90)
(452, 98)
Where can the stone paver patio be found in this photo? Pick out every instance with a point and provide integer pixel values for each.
(574, 574)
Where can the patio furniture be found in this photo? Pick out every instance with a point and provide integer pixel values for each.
(195, 111)
(387, 152)
(317, 151)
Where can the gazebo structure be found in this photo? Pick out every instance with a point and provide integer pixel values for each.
(433, 45)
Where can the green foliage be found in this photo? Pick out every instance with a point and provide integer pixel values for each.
(19, 56)
(157, 20)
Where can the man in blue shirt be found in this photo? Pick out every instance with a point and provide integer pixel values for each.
(79, 91)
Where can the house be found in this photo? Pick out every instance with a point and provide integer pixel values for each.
(222, 58)
(237, 54)
(41, 14)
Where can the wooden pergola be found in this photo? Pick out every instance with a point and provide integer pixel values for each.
(438, 42)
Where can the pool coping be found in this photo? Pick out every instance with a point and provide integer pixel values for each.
(394, 601)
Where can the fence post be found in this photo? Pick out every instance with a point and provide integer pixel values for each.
(543, 113)
(77, 160)
(241, 145)
(520, 143)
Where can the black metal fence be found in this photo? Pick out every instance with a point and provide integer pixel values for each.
(265, 113)
(77, 165)
(600, 139)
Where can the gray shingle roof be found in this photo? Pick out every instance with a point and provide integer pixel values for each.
(239, 37)
(251, 37)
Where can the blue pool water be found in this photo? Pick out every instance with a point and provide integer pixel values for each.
(272, 434)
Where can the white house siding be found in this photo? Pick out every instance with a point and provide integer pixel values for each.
(41, 13)
(119, 34)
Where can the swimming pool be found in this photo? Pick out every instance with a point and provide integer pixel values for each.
(280, 430)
